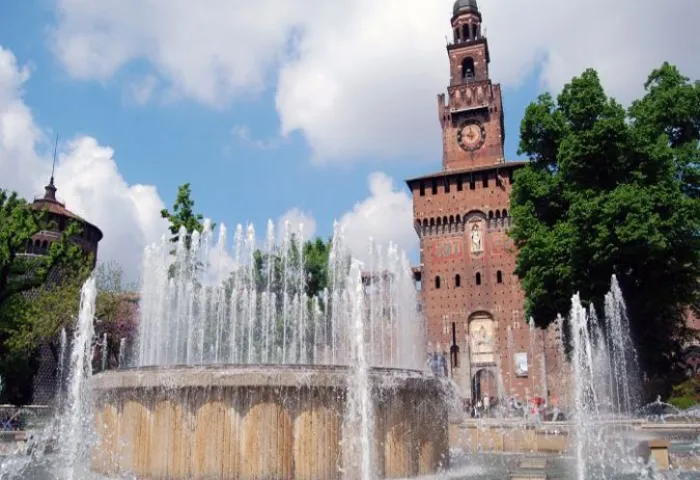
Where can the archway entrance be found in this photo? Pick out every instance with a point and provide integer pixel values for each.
(484, 385)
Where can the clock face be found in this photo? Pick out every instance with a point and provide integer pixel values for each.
(471, 135)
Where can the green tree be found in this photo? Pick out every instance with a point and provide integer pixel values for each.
(612, 191)
(18, 223)
(22, 277)
(316, 255)
(183, 215)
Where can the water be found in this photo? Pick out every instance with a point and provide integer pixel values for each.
(76, 420)
(603, 366)
(202, 304)
(208, 305)
(623, 357)
(358, 422)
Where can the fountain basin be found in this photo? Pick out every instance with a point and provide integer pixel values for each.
(263, 422)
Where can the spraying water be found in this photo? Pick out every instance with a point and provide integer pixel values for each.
(359, 412)
(623, 357)
(76, 419)
(204, 306)
(603, 362)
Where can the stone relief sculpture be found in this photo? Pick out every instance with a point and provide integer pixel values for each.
(476, 238)
(481, 332)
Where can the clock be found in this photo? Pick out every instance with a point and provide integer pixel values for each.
(471, 135)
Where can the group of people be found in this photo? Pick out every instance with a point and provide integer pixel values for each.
(10, 421)
(536, 409)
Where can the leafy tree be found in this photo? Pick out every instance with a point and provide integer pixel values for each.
(613, 191)
(316, 255)
(21, 278)
(183, 215)
(315, 260)
(18, 223)
(686, 394)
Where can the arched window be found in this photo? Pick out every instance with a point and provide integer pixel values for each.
(490, 214)
(437, 282)
(465, 33)
(475, 33)
(467, 68)
(504, 214)
(458, 280)
(499, 277)
(478, 278)
(498, 214)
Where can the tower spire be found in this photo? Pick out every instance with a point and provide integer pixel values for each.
(50, 189)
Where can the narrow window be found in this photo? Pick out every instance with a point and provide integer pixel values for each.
(499, 183)
(459, 184)
(510, 176)
(499, 277)
(504, 214)
(478, 278)
(447, 185)
(458, 280)
(472, 182)
(468, 68)
(422, 189)
(485, 180)
(434, 187)
(437, 282)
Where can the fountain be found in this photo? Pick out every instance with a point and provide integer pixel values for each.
(604, 368)
(240, 373)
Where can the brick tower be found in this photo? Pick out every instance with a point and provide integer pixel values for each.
(472, 300)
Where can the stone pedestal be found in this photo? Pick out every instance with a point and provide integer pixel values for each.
(262, 422)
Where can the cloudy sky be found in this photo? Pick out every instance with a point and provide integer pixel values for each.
(311, 110)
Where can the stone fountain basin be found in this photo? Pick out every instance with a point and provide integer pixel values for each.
(264, 422)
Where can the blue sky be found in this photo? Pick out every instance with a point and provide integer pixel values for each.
(221, 133)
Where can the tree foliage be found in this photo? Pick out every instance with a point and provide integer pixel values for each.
(270, 267)
(686, 394)
(23, 280)
(610, 190)
(18, 223)
(183, 215)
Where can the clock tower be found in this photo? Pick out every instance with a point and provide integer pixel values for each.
(472, 115)
(472, 300)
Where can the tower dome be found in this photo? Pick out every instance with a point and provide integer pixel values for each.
(464, 6)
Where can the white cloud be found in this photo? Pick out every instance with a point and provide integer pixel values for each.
(87, 176)
(385, 216)
(298, 220)
(359, 77)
